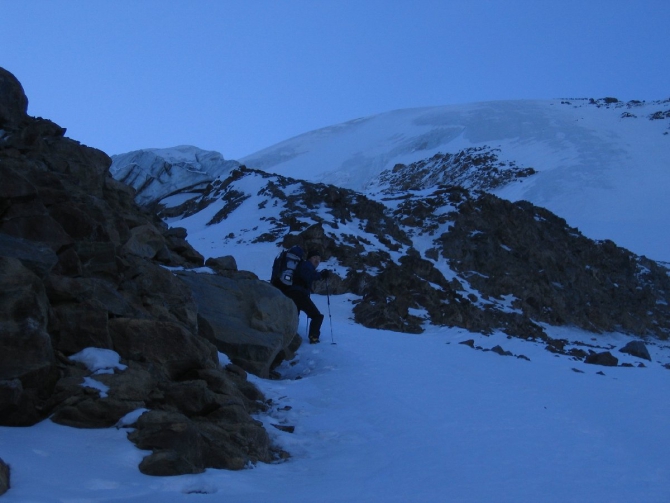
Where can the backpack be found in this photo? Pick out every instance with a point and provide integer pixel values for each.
(284, 267)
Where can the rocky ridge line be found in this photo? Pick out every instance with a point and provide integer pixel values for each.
(485, 263)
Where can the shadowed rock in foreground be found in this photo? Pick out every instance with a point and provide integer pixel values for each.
(82, 266)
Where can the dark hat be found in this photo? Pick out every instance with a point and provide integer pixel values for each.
(296, 250)
(313, 253)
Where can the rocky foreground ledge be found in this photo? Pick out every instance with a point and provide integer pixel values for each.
(82, 266)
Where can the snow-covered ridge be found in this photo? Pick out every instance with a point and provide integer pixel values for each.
(157, 172)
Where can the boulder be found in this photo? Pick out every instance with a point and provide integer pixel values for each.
(177, 444)
(636, 348)
(146, 242)
(605, 358)
(249, 320)
(222, 264)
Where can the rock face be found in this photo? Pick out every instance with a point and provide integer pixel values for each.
(81, 265)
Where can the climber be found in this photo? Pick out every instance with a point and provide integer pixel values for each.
(300, 290)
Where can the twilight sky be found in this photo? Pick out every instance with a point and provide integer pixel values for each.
(238, 76)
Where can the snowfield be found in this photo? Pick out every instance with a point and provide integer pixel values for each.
(383, 416)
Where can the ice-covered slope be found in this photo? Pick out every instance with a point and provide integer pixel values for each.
(602, 165)
(157, 172)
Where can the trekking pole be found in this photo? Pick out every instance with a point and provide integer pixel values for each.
(332, 341)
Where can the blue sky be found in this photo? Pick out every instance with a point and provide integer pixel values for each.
(238, 76)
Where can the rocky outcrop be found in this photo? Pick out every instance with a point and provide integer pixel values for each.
(82, 266)
(473, 168)
(554, 273)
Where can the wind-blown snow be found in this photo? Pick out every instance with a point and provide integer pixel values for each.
(604, 167)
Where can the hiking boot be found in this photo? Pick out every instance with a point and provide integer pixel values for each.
(314, 340)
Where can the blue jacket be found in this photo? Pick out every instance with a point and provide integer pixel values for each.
(305, 275)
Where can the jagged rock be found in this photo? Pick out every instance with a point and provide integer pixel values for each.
(605, 358)
(93, 411)
(63, 289)
(284, 427)
(4, 473)
(80, 326)
(222, 264)
(170, 346)
(30, 220)
(146, 242)
(193, 398)
(187, 445)
(185, 253)
(249, 320)
(501, 351)
(177, 445)
(38, 258)
(27, 361)
(162, 295)
(636, 348)
(134, 384)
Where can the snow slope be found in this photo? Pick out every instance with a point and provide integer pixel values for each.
(602, 166)
(388, 417)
